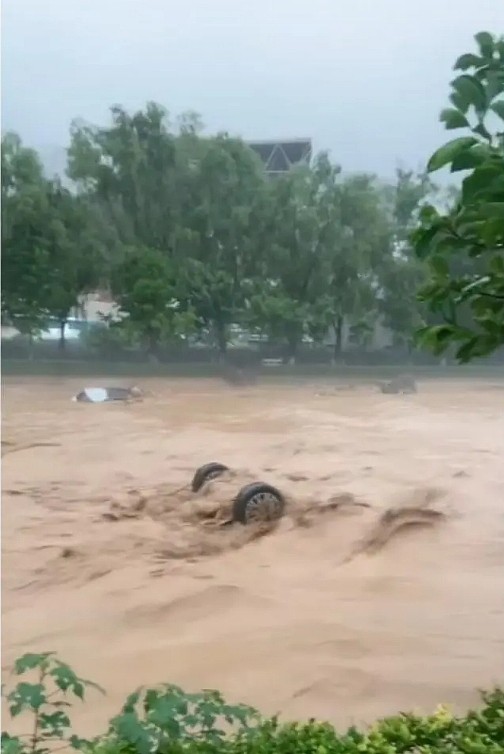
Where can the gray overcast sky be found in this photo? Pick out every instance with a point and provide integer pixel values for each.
(364, 78)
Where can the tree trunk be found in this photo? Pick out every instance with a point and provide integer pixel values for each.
(62, 340)
(221, 337)
(153, 347)
(410, 348)
(292, 347)
(338, 339)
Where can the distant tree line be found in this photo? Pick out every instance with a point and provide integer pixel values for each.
(190, 236)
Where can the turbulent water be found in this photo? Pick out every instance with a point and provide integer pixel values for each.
(380, 589)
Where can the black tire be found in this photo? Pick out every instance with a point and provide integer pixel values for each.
(82, 397)
(258, 502)
(205, 473)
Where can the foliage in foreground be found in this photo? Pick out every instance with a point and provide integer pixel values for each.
(465, 247)
(165, 719)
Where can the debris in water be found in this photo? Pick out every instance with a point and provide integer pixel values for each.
(404, 384)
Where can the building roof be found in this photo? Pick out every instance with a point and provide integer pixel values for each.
(281, 155)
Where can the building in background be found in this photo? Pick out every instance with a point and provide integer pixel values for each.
(94, 309)
(280, 156)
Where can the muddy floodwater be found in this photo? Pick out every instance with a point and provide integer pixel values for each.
(382, 588)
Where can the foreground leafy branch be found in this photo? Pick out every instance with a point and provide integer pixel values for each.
(45, 700)
(465, 247)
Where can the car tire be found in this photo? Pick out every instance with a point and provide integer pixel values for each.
(205, 473)
(258, 502)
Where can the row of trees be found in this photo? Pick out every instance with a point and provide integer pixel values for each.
(190, 237)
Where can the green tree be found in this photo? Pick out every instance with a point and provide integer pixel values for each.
(130, 169)
(299, 219)
(186, 196)
(464, 247)
(360, 240)
(50, 250)
(75, 253)
(147, 289)
(25, 252)
(327, 234)
(401, 273)
(218, 234)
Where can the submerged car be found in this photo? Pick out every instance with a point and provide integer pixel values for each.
(108, 394)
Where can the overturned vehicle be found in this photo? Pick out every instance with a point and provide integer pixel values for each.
(256, 502)
(108, 394)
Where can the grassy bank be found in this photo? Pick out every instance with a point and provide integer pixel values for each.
(76, 368)
(166, 720)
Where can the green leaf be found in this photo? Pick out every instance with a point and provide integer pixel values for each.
(471, 91)
(67, 680)
(79, 743)
(11, 744)
(471, 158)
(423, 239)
(131, 701)
(493, 210)
(453, 119)
(459, 102)
(165, 715)
(435, 338)
(494, 84)
(133, 732)
(486, 43)
(498, 108)
(54, 723)
(26, 696)
(482, 130)
(440, 265)
(493, 232)
(466, 61)
(428, 214)
(64, 677)
(30, 661)
(447, 153)
(468, 350)
(480, 181)
(497, 266)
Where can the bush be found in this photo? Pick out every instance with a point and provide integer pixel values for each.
(166, 720)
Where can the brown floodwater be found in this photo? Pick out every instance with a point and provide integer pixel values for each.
(380, 589)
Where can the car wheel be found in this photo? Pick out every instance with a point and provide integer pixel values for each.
(205, 473)
(258, 502)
